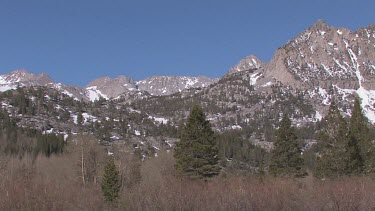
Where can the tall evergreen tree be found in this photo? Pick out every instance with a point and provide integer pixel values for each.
(111, 181)
(197, 153)
(79, 118)
(286, 157)
(333, 159)
(361, 149)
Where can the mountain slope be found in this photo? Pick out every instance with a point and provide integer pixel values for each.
(22, 78)
(166, 85)
(325, 57)
(248, 63)
(106, 88)
(109, 88)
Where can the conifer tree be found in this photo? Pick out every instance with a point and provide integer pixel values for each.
(196, 153)
(111, 181)
(333, 158)
(79, 118)
(286, 157)
(361, 149)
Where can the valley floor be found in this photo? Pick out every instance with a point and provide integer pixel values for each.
(54, 184)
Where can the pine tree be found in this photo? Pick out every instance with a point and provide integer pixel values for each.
(361, 150)
(333, 159)
(286, 157)
(111, 181)
(197, 153)
(79, 118)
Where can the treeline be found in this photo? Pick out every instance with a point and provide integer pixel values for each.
(83, 179)
(344, 148)
(19, 141)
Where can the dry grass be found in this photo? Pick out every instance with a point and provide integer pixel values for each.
(53, 184)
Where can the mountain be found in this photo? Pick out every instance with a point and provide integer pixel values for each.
(23, 78)
(329, 62)
(110, 88)
(156, 85)
(321, 63)
(248, 63)
(166, 85)
(106, 87)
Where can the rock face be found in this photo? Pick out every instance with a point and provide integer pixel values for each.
(109, 88)
(156, 85)
(324, 55)
(23, 78)
(327, 62)
(166, 85)
(106, 87)
(248, 63)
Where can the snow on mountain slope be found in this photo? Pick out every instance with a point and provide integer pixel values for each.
(109, 87)
(166, 85)
(121, 86)
(158, 85)
(250, 62)
(22, 78)
(324, 57)
(94, 94)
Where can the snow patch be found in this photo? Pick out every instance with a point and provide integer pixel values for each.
(236, 127)
(368, 102)
(6, 87)
(94, 94)
(267, 84)
(323, 93)
(254, 77)
(159, 119)
(137, 132)
(318, 116)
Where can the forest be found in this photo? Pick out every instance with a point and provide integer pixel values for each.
(205, 170)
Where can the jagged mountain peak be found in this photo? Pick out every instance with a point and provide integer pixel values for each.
(107, 87)
(320, 25)
(250, 62)
(323, 57)
(107, 81)
(23, 77)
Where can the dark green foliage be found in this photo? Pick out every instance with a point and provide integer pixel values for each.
(361, 150)
(238, 153)
(19, 141)
(343, 152)
(197, 153)
(49, 144)
(333, 159)
(286, 157)
(111, 181)
(79, 118)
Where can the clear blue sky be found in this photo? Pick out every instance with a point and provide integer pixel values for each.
(76, 41)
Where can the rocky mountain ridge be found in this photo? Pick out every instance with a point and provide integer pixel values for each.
(329, 62)
(106, 87)
(248, 63)
(318, 65)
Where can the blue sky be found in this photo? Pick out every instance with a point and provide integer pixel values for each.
(76, 41)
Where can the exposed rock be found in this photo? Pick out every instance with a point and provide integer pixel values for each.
(166, 85)
(248, 63)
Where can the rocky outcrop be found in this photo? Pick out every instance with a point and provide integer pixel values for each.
(23, 77)
(323, 55)
(110, 88)
(248, 63)
(166, 85)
